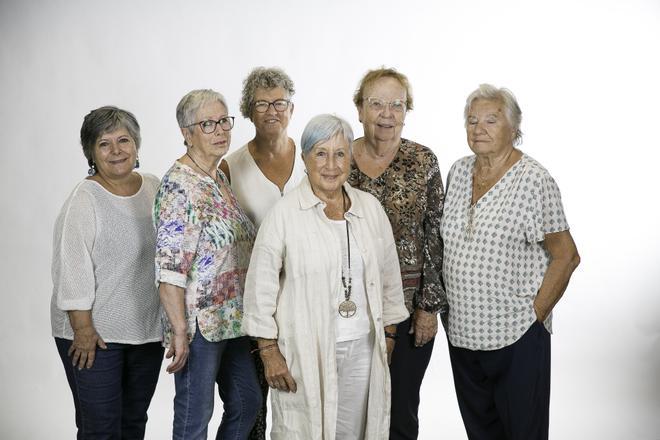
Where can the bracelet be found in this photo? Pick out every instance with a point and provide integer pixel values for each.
(391, 335)
(265, 347)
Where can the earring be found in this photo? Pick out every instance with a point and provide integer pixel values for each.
(92, 169)
(137, 162)
(306, 171)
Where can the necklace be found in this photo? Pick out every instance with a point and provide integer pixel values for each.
(347, 308)
(204, 171)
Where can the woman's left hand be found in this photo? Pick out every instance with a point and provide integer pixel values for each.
(424, 326)
(389, 345)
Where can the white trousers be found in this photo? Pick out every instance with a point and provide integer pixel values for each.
(353, 372)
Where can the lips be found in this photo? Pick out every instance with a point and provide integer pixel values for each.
(118, 161)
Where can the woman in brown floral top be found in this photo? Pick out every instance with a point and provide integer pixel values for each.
(405, 177)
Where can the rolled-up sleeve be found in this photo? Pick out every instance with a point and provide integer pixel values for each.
(262, 283)
(432, 297)
(178, 229)
(72, 269)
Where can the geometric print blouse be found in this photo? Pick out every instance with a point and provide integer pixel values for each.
(494, 256)
(203, 245)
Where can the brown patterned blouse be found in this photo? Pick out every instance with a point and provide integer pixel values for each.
(410, 189)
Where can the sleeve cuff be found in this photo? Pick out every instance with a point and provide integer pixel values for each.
(172, 277)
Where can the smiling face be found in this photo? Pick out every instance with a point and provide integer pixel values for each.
(328, 164)
(211, 146)
(488, 130)
(115, 154)
(383, 125)
(272, 122)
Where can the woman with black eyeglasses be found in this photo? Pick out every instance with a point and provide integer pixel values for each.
(203, 249)
(267, 167)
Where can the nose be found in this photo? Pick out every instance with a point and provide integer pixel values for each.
(115, 148)
(387, 110)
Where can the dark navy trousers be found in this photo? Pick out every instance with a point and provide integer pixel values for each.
(505, 394)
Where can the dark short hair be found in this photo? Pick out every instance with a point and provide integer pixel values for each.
(103, 120)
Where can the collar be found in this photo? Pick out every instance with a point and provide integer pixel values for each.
(309, 200)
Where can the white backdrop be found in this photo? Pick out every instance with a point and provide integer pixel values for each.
(585, 73)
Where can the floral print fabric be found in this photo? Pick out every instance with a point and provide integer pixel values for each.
(204, 240)
(411, 192)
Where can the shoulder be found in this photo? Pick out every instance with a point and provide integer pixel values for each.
(535, 170)
(419, 152)
(236, 156)
(150, 180)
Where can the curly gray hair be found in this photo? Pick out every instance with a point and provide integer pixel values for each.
(265, 78)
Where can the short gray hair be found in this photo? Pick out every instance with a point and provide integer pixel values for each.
(187, 109)
(512, 110)
(104, 120)
(321, 129)
(265, 78)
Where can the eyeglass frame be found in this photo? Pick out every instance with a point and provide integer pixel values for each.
(388, 103)
(215, 127)
(288, 103)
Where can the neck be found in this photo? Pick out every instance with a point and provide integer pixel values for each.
(201, 162)
(494, 161)
(121, 186)
(330, 198)
(377, 149)
(271, 145)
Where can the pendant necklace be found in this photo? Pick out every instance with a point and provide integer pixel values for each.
(347, 308)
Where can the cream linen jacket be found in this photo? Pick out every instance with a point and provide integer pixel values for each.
(291, 295)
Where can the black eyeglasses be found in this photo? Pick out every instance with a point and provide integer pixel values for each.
(279, 105)
(209, 126)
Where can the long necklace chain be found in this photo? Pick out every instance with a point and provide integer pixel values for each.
(347, 308)
(204, 171)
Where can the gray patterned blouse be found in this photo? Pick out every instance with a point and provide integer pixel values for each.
(495, 259)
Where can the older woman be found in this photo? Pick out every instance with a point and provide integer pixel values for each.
(404, 176)
(202, 254)
(323, 296)
(508, 259)
(266, 168)
(104, 309)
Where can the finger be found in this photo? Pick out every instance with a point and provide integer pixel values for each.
(101, 343)
(90, 359)
(75, 356)
(82, 359)
(290, 383)
(71, 350)
(170, 352)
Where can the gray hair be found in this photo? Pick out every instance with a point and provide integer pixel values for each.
(512, 110)
(104, 120)
(322, 128)
(187, 109)
(265, 78)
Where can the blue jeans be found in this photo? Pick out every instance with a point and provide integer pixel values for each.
(112, 397)
(229, 364)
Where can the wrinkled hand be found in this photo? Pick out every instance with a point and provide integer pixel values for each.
(424, 325)
(179, 349)
(83, 347)
(541, 316)
(276, 371)
(389, 345)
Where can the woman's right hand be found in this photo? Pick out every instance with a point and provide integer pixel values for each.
(83, 346)
(276, 371)
(179, 350)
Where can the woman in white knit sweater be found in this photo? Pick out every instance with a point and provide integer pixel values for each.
(105, 311)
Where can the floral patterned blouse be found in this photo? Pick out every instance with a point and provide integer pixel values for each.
(204, 240)
(410, 189)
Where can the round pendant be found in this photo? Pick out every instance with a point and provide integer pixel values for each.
(347, 309)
